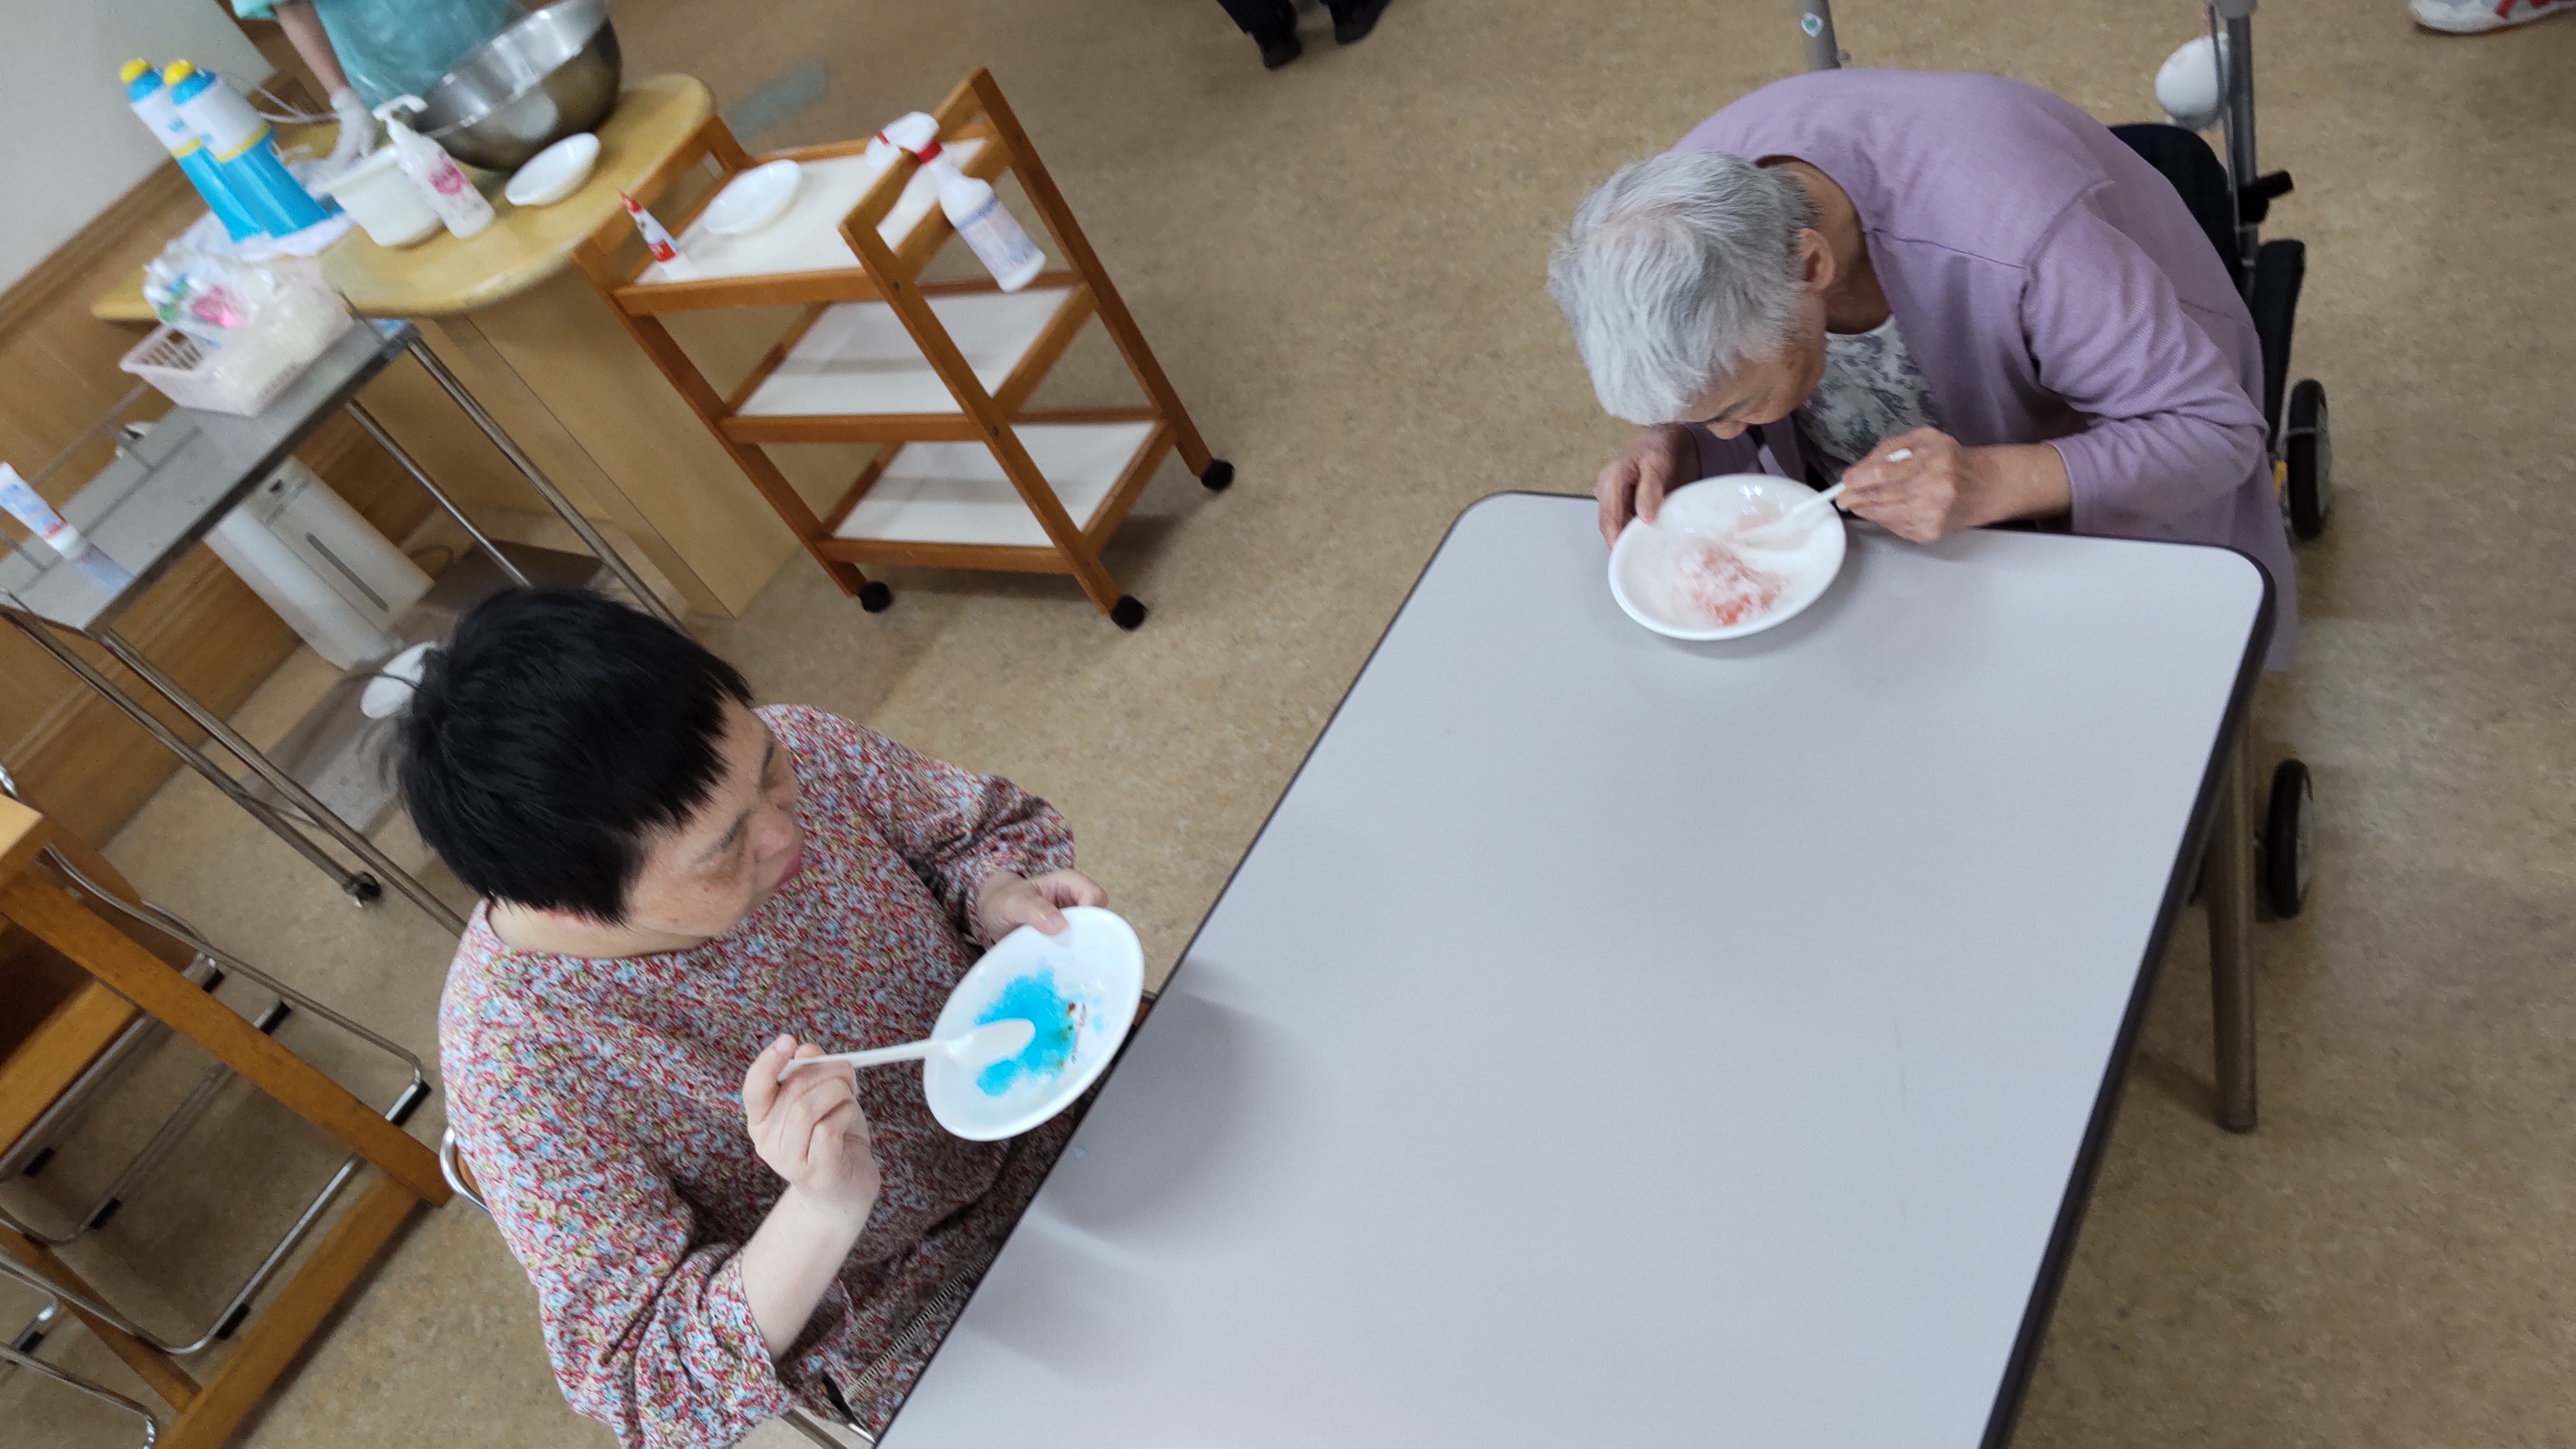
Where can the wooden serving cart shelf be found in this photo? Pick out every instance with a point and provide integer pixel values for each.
(937, 373)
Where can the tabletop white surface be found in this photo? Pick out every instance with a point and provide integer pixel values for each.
(1612, 1041)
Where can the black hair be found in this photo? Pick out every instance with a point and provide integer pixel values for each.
(553, 733)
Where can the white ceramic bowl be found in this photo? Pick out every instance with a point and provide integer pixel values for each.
(1651, 567)
(1080, 989)
(753, 200)
(554, 173)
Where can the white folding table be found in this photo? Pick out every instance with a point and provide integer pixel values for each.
(1610, 1041)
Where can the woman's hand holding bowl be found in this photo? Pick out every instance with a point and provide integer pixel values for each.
(1633, 485)
(1006, 901)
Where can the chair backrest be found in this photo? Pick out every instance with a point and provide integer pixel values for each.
(2186, 161)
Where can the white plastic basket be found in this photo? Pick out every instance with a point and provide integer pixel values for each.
(248, 372)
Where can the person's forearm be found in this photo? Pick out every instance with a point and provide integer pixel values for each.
(791, 1260)
(303, 27)
(2019, 480)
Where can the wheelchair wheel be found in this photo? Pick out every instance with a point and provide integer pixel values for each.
(2286, 839)
(2308, 460)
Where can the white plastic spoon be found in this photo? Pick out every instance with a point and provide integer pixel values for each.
(1766, 535)
(973, 1051)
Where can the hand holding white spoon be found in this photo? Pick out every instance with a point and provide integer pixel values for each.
(1776, 532)
(974, 1050)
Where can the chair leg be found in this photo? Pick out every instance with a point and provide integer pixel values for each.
(29, 1338)
(73, 1381)
(33, 1267)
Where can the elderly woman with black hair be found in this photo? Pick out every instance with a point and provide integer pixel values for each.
(1958, 295)
(682, 893)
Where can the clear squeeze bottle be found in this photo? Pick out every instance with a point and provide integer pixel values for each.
(976, 210)
(443, 183)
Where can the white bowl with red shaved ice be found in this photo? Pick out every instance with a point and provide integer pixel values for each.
(1686, 576)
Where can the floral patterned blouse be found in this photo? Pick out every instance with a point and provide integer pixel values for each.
(599, 1102)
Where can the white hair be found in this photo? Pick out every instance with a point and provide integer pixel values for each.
(1676, 271)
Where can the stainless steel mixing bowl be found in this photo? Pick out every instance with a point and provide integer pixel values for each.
(552, 75)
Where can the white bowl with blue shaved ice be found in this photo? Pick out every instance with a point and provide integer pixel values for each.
(1078, 989)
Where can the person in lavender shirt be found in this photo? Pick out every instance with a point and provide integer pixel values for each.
(1958, 295)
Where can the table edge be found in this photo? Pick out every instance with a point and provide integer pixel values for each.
(2054, 1260)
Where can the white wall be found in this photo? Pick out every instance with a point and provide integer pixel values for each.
(74, 147)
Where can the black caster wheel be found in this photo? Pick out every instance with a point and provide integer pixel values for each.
(364, 890)
(1219, 476)
(2307, 460)
(875, 597)
(2287, 839)
(1126, 613)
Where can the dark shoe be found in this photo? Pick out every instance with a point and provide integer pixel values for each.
(1279, 48)
(1354, 19)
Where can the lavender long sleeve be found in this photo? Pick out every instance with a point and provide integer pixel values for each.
(2053, 287)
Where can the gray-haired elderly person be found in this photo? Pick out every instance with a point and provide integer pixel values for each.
(1959, 295)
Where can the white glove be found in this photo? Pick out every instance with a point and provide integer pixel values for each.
(357, 129)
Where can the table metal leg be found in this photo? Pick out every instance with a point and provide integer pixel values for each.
(2227, 890)
(555, 499)
(284, 783)
(358, 885)
(394, 450)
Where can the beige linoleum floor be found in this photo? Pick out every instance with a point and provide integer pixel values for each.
(1340, 266)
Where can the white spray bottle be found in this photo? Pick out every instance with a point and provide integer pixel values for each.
(976, 210)
(443, 183)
